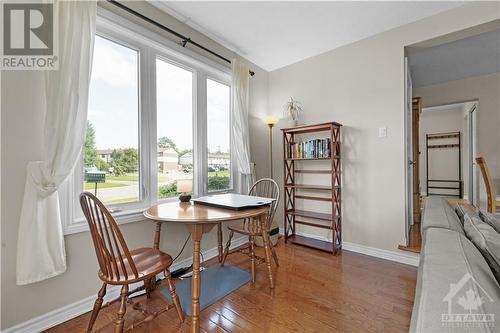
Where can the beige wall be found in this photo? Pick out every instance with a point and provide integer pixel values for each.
(485, 89)
(362, 86)
(21, 120)
(443, 163)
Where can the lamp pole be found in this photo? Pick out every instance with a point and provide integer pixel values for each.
(270, 121)
(271, 149)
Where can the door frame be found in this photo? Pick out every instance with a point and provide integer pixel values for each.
(473, 186)
(408, 155)
(415, 159)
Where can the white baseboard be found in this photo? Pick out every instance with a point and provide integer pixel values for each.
(397, 256)
(85, 305)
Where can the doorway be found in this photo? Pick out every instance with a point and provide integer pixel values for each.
(451, 71)
(441, 146)
(413, 107)
(447, 144)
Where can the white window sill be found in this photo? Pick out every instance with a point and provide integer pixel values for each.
(81, 225)
(123, 217)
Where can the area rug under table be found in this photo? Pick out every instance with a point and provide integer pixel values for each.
(216, 282)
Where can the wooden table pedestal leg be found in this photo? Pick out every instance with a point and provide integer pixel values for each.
(197, 231)
(156, 245)
(267, 248)
(219, 240)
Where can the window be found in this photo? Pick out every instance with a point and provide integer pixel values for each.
(158, 113)
(174, 126)
(218, 136)
(111, 152)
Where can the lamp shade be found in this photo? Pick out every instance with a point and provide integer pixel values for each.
(270, 120)
(184, 185)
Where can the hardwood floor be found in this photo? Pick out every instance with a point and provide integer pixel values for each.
(315, 292)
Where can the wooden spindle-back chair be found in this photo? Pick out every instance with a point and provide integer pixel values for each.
(120, 266)
(267, 188)
(493, 204)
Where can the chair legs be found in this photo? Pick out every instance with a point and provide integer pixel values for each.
(270, 251)
(175, 298)
(123, 308)
(275, 256)
(120, 318)
(97, 307)
(226, 250)
(251, 240)
(147, 288)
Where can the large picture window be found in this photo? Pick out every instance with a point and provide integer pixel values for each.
(111, 152)
(174, 126)
(218, 140)
(157, 114)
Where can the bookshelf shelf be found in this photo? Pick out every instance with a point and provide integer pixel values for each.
(311, 159)
(310, 187)
(298, 153)
(311, 242)
(314, 215)
(313, 171)
(309, 197)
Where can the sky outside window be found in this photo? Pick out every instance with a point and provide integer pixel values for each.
(113, 117)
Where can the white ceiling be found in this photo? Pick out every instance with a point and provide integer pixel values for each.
(468, 57)
(276, 34)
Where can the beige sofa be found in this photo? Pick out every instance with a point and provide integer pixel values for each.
(456, 289)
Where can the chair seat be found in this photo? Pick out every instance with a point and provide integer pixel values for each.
(148, 261)
(248, 228)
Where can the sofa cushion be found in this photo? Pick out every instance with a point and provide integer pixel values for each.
(462, 210)
(486, 239)
(493, 220)
(438, 213)
(450, 266)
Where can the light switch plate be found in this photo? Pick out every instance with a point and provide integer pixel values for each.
(382, 132)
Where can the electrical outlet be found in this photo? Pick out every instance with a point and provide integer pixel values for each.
(382, 132)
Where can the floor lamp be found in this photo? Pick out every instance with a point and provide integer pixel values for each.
(270, 121)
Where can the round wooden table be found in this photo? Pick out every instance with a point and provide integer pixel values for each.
(200, 219)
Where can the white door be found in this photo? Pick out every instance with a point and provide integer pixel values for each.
(409, 147)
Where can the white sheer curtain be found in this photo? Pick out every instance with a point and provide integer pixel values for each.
(239, 125)
(40, 246)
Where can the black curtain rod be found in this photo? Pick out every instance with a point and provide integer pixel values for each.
(184, 39)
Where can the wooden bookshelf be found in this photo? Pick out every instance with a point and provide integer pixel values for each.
(300, 163)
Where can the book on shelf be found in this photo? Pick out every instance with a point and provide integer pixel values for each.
(309, 149)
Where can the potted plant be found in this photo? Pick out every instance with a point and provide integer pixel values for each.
(292, 109)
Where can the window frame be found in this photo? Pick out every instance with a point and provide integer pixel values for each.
(151, 46)
(232, 170)
(154, 146)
